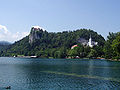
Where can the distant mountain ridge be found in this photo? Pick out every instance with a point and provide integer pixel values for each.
(5, 43)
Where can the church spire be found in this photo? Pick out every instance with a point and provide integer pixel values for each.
(90, 42)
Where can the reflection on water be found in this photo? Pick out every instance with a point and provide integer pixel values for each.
(59, 74)
(84, 76)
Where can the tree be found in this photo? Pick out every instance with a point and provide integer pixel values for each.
(108, 50)
(73, 53)
(99, 50)
(116, 45)
(92, 53)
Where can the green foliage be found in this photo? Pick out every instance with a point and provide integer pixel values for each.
(79, 51)
(116, 45)
(93, 53)
(99, 50)
(55, 45)
(112, 46)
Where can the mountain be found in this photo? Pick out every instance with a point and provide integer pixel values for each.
(49, 44)
(4, 45)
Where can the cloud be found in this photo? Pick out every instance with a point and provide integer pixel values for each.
(6, 35)
(19, 35)
(4, 28)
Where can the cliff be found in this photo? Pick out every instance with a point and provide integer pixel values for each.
(35, 33)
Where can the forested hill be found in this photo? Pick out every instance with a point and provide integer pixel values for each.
(47, 44)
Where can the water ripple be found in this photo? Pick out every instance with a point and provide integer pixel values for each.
(84, 76)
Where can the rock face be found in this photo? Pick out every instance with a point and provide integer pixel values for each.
(35, 33)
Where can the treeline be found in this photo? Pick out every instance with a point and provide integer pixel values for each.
(57, 45)
(112, 46)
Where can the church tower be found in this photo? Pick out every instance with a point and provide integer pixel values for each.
(90, 42)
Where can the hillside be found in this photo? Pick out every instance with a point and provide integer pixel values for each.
(48, 44)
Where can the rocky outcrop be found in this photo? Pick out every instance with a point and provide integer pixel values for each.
(35, 33)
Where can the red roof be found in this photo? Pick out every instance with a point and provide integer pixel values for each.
(74, 46)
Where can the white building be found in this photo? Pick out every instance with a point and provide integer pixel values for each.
(92, 43)
(89, 42)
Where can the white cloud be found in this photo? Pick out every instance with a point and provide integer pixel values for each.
(6, 35)
(4, 28)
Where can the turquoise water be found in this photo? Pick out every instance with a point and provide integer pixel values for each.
(59, 74)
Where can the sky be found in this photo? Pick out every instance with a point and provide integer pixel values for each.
(18, 16)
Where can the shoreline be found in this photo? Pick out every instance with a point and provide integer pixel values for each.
(64, 58)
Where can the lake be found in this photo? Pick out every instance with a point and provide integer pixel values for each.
(59, 74)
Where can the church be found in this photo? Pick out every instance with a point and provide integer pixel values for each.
(89, 42)
(92, 43)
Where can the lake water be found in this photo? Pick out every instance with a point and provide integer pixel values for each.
(59, 74)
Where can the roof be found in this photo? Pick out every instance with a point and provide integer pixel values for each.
(38, 27)
(74, 46)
